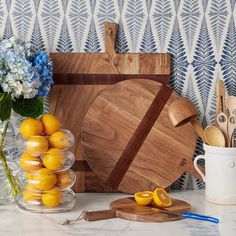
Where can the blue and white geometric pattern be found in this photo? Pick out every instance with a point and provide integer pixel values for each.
(199, 34)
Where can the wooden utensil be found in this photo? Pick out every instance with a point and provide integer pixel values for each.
(129, 141)
(231, 105)
(127, 208)
(222, 121)
(231, 128)
(214, 136)
(220, 99)
(181, 112)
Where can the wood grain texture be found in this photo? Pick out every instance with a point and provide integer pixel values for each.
(80, 77)
(140, 134)
(81, 66)
(127, 208)
(112, 120)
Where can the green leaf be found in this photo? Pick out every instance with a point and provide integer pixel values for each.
(5, 106)
(28, 107)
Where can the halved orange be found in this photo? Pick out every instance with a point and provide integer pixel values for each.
(144, 198)
(161, 198)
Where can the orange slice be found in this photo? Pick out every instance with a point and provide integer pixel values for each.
(161, 198)
(144, 198)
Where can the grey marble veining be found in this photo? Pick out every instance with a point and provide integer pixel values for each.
(16, 222)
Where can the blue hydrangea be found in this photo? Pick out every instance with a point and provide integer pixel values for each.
(22, 72)
(43, 66)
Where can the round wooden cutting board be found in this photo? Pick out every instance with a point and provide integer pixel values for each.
(129, 140)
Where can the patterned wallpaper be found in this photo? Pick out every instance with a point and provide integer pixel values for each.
(199, 34)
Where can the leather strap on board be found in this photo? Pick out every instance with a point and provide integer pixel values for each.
(138, 138)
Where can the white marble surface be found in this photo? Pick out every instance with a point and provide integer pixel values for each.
(16, 222)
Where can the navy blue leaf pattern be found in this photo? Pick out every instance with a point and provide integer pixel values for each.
(22, 17)
(50, 15)
(228, 60)
(191, 95)
(218, 14)
(204, 63)
(204, 3)
(176, 3)
(36, 4)
(78, 16)
(212, 110)
(179, 63)
(8, 33)
(121, 41)
(162, 17)
(36, 38)
(199, 34)
(148, 43)
(64, 43)
(134, 17)
(190, 15)
(120, 4)
(106, 12)
(1, 14)
(92, 44)
(232, 4)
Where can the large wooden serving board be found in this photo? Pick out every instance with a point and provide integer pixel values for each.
(129, 140)
(127, 208)
(80, 77)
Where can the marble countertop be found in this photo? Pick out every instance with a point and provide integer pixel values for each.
(16, 222)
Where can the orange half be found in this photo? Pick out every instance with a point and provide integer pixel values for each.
(161, 198)
(144, 198)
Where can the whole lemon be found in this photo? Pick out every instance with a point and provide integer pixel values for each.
(31, 127)
(54, 159)
(30, 163)
(44, 179)
(59, 140)
(52, 198)
(30, 193)
(37, 145)
(50, 124)
(63, 179)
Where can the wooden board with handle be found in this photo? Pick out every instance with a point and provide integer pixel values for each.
(127, 208)
(129, 140)
(80, 77)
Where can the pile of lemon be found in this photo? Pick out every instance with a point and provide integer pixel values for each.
(45, 160)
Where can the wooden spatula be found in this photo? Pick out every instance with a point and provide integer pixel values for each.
(220, 99)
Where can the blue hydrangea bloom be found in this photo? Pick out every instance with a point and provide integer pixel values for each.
(23, 72)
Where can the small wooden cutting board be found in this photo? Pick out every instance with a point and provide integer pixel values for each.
(127, 208)
(129, 140)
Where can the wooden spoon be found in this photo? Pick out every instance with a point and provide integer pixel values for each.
(231, 128)
(220, 99)
(222, 121)
(231, 104)
(214, 136)
(182, 111)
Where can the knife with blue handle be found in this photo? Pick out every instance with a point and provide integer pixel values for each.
(191, 215)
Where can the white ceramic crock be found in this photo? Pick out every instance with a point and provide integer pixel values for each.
(220, 174)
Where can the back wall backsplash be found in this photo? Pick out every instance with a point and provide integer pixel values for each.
(199, 34)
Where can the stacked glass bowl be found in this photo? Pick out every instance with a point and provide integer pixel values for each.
(46, 161)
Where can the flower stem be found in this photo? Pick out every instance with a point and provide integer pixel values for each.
(8, 172)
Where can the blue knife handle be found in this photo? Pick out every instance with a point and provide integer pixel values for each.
(200, 217)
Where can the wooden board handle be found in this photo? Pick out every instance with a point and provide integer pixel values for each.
(110, 38)
(99, 215)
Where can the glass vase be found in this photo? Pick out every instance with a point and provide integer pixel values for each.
(12, 154)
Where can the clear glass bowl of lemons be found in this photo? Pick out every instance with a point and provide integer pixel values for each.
(46, 161)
